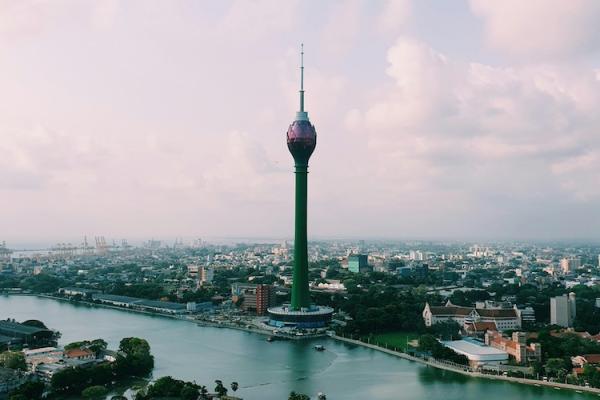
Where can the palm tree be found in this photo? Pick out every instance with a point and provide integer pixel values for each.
(220, 389)
(234, 386)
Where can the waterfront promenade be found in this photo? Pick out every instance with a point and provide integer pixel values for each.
(464, 370)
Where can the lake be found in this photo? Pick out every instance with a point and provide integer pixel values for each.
(267, 370)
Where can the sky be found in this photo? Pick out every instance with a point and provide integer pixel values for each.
(460, 119)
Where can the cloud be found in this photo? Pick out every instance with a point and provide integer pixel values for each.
(540, 27)
(344, 22)
(169, 118)
(257, 19)
(446, 125)
(394, 15)
(37, 157)
(104, 13)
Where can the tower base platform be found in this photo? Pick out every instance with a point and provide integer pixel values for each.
(313, 317)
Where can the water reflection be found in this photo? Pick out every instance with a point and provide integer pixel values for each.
(430, 375)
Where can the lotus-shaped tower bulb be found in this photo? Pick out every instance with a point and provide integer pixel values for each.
(301, 135)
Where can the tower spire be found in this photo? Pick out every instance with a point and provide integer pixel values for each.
(302, 115)
(302, 77)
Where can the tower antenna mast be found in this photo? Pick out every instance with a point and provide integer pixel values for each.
(302, 77)
(302, 115)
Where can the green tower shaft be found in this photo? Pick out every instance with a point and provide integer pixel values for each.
(300, 292)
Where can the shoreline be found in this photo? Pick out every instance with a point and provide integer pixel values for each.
(462, 371)
(398, 354)
(210, 324)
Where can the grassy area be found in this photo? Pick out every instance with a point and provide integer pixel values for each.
(394, 339)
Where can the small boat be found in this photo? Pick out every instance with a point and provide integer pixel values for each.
(319, 347)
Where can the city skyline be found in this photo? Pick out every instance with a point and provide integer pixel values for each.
(140, 120)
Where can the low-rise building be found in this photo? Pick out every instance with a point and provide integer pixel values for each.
(583, 360)
(46, 371)
(74, 291)
(26, 334)
(44, 355)
(79, 354)
(164, 307)
(478, 353)
(504, 319)
(515, 346)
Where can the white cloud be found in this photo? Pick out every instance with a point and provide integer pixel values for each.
(540, 27)
(444, 119)
(340, 31)
(394, 15)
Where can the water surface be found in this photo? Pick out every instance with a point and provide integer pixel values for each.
(268, 371)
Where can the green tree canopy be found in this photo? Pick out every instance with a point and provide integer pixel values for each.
(29, 391)
(13, 360)
(137, 360)
(94, 392)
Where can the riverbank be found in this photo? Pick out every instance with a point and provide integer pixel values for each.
(199, 322)
(466, 371)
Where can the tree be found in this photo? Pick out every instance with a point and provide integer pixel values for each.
(94, 392)
(427, 343)
(203, 392)
(555, 366)
(137, 360)
(13, 360)
(220, 389)
(167, 387)
(298, 396)
(30, 390)
(189, 392)
(69, 380)
(234, 386)
(449, 330)
(95, 345)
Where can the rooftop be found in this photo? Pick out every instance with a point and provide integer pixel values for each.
(476, 350)
(20, 328)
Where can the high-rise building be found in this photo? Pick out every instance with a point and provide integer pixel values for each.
(570, 264)
(358, 263)
(265, 298)
(254, 298)
(301, 142)
(563, 310)
(206, 275)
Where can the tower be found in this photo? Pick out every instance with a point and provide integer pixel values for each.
(301, 142)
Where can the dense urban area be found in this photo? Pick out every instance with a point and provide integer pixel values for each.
(522, 310)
